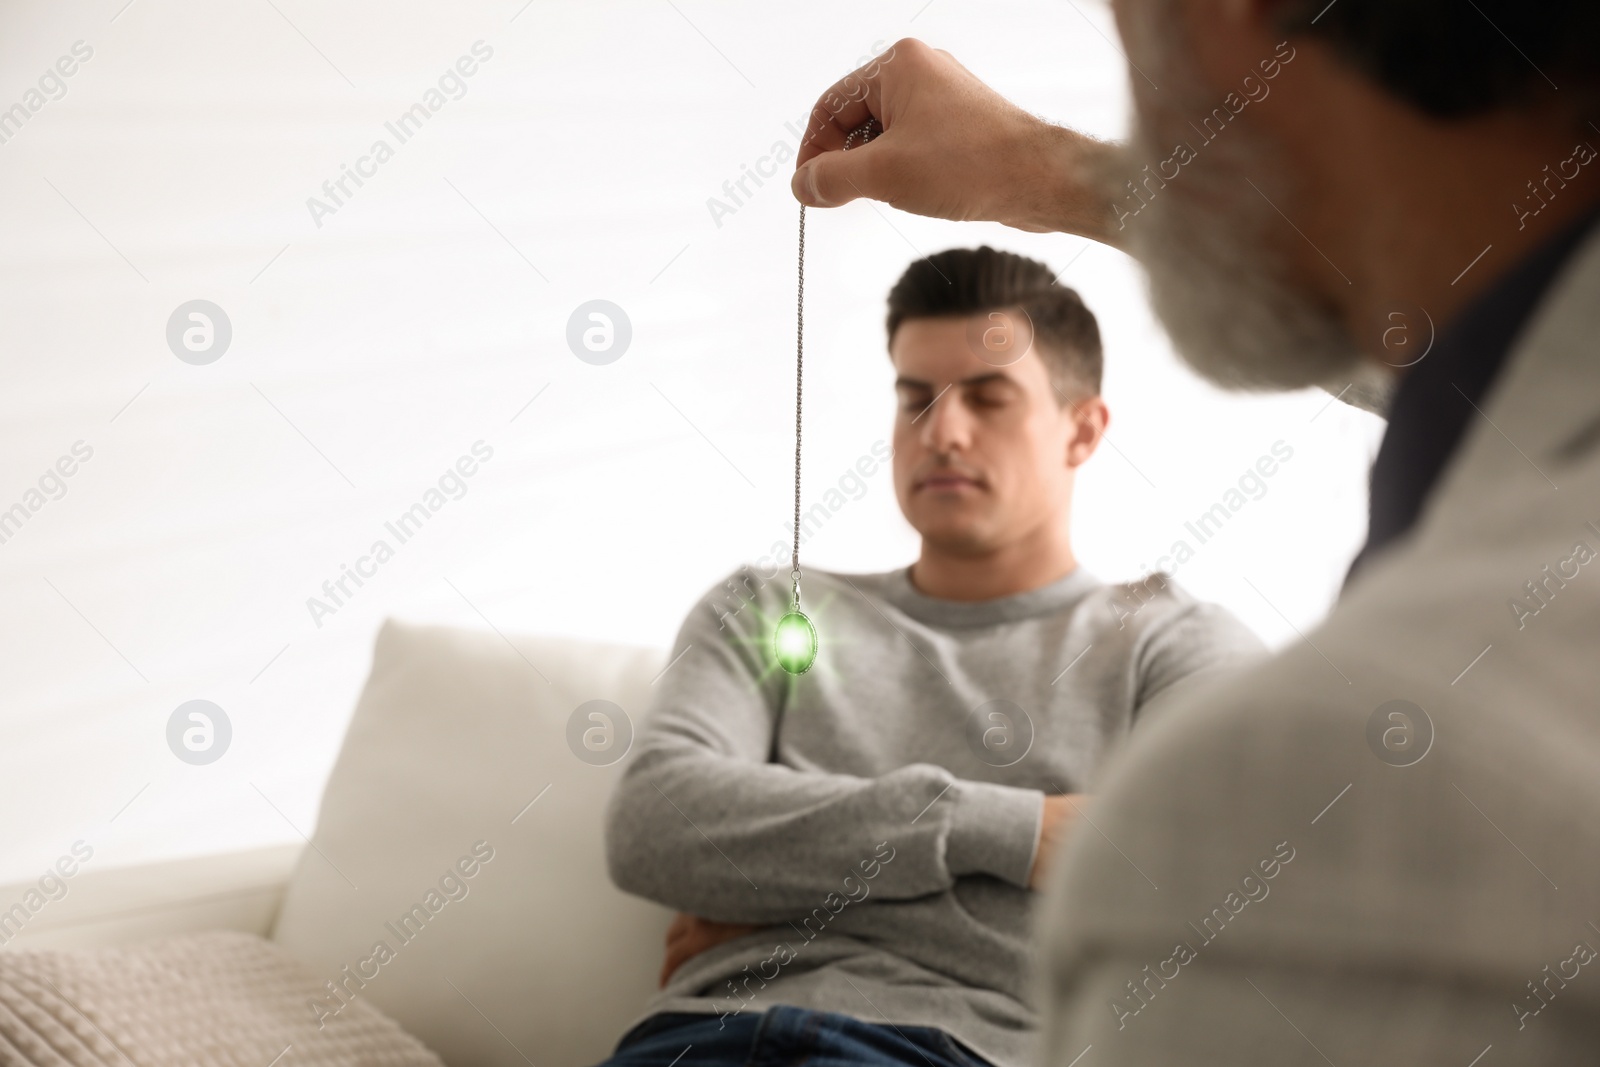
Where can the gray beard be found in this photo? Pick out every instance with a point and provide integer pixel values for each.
(1220, 286)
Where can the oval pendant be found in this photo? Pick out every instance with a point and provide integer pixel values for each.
(794, 642)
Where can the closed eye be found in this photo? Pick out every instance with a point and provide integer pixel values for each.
(914, 401)
(989, 395)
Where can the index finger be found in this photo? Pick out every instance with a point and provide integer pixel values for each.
(844, 106)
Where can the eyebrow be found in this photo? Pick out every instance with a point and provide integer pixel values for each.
(903, 382)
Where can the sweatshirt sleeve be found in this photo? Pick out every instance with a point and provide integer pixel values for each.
(701, 822)
(1196, 639)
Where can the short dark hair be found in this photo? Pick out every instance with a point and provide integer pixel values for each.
(967, 281)
(1456, 60)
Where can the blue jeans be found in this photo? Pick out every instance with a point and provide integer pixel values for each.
(783, 1036)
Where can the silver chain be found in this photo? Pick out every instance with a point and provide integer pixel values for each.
(799, 393)
(866, 131)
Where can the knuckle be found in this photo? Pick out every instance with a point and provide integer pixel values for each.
(912, 46)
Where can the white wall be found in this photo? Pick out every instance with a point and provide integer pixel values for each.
(372, 351)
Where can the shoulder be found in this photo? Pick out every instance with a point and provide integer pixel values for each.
(756, 594)
(1156, 591)
(749, 590)
(1156, 606)
(869, 584)
(1327, 751)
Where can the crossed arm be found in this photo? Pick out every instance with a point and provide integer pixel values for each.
(690, 935)
(703, 823)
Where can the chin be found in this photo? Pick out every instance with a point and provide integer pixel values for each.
(957, 538)
(1220, 280)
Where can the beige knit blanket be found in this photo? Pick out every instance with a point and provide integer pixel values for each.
(221, 998)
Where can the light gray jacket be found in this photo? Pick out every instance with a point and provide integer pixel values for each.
(1335, 880)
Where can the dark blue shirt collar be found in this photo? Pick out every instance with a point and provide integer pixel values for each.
(1435, 401)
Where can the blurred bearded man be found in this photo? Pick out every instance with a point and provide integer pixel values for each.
(1382, 844)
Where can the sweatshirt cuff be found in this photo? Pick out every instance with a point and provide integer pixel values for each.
(994, 829)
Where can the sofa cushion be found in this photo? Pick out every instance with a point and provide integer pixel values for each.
(456, 878)
(219, 998)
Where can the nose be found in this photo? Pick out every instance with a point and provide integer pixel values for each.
(946, 425)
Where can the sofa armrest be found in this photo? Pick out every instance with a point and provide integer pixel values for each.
(228, 891)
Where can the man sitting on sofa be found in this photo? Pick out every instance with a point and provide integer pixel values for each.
(854, 849)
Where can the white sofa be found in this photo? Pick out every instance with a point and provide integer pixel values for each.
(458, 750)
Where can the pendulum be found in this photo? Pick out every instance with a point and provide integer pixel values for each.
(794, 641)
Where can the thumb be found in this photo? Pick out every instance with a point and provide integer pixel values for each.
(830, 179)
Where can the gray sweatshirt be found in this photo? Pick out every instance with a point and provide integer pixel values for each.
(879, 813)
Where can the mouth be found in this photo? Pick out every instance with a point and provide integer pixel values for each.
(948, 482)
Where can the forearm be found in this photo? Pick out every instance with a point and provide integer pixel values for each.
(953, 148)
(736, 841)
(1064, 185)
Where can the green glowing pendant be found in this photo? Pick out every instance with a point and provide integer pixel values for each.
(794, 639)
(794, 642)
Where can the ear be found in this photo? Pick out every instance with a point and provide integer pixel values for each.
(1229, 38)
(1090, 418)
